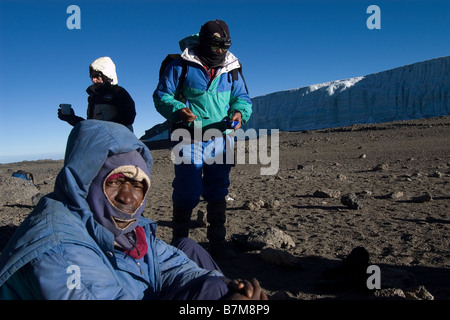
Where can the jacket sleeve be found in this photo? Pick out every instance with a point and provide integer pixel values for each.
(75, 272)
(164, 95)
(177, 269)
(126, 110)
(240, 100)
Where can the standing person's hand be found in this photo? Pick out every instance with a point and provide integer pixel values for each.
(237, 117)
(186, 115)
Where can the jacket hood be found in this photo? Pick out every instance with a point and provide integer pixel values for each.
(89, 144)
(65, 215)
(106, 66)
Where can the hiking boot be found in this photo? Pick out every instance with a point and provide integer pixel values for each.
(216, 217)
(350, 274)
(180, 222)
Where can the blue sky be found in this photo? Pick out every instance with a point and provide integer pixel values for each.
(281, 44)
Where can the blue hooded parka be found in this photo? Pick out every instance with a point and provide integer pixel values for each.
(61, 252)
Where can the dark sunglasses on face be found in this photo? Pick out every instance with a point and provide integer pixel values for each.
(223, 48)
(96, 75)
(223, 44)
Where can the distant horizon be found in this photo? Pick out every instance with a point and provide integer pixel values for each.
(56, 156)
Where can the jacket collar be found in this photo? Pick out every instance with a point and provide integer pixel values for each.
(231, 61)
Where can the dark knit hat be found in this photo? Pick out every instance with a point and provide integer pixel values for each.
(214, 30)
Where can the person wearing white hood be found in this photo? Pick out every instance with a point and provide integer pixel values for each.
(107, 100)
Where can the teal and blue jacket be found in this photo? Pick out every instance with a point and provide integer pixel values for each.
(61, 252)
(211, 100)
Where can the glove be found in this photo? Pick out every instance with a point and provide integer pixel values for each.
(69, 118)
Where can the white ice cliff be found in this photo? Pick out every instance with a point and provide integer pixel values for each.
(419, 90)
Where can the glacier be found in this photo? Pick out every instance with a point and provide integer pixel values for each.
(415, 91)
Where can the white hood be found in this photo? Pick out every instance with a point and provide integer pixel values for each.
(106, 66)
(231, 61)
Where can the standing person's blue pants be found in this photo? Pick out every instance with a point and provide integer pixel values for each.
(203, 170)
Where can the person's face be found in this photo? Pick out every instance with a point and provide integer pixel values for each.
(96, 77)
(125, 194)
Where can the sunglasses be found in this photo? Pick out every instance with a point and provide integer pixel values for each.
(223, 44)
(96, 75)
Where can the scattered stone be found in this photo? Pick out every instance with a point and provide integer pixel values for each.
(327, 193)
(396, 195)
(418, 293)
(272, 204)
(364, 194)
(336, 164)
(280, 258)
(416, 176)
(393, 195)
(308, 167)
(436, 174)
(381, 167)
(250, 205)
(253, 205)
(390, 294)
(271, 237)
(351, 201)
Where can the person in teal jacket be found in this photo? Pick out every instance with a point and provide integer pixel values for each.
(212, 94)
(88, 239)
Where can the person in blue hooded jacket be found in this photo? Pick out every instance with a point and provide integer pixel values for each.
(88, 239)
(212, 95)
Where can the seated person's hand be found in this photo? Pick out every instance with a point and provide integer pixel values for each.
(245, 290)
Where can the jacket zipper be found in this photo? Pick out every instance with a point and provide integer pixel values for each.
(142, 272)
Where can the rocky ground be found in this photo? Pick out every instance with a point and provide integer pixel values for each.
(384, 187)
